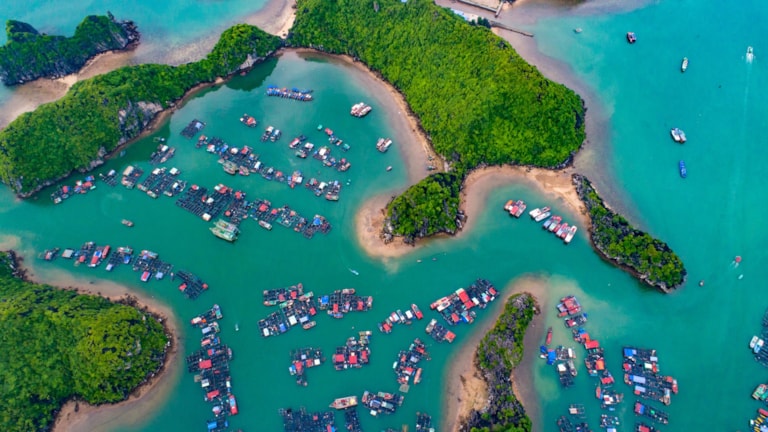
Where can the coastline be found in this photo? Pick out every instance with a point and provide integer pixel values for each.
(478, 184)
(78, 416)
(466, 389)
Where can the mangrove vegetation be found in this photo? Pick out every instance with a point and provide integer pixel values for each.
(477, 100)
(498, 353)
(58, 345)
(99, 114)
(617, 240)
(29, 55)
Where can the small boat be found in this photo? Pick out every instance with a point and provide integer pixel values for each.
(571, 232)
(750, 55)
(345, 402)
(354, 272)
(145, 276)
(760, 392)
(127, 223)
(237, 327)
(683, 171)
(416, 311)
(678, 135)
(684, 66)
(389, 168)
(543, 214)
(549, 336)
(577, 30)
(264, 224)
(758, 346)
(308, 325)
(753, 342)
(631, 37)
(232, 404)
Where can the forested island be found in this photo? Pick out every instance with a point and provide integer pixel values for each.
(58, 345)
(29, 55)
(477, 100)
(99, 114)
(650, 259)
(500, 351)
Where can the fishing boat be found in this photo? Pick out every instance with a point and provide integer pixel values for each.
(571, 232)
(145, 276)
(758, 346)
(545, 213)
(753, 342)
(248, 120)
(684, 66)
(224, 234)
(416, 311)
(631, 37)
(683, 171)
(761, 392)
(127, 223)
(308, 325)
(750, 55)
(549, 336)
(678, 135)
(50, 254)
(266, 225)
(232, 404)
(343, 403)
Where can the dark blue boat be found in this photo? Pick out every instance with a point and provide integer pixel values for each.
(683, 172)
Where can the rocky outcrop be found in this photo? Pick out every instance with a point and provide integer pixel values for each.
(135, 118)
(29, 55)
(648, 259)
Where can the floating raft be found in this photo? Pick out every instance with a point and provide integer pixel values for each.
(192, 129)
(302, 421)
(294, 93)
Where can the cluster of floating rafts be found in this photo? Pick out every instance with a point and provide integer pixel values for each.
(210, 364)
(354, 354)
(407, 364)
(438, 332)
(81, 187)
(458, 306)
(303, 359)
(383, 144)
(515, 208)
(193, 128)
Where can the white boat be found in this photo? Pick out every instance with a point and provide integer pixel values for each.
(571, 233)
(354, 272)
(542, 216)
(535, 212)
(753, 342)
(758, 346)
(750, 55)
(684, 66)
(678, 135)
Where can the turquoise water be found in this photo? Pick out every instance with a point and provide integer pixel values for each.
(701, 333)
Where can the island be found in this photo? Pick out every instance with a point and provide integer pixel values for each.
(496, 357)
(59, 345)
(649, 259)
(478, 102)
(100, 114)
(29, 55)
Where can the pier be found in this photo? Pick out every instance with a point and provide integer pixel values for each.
(506, 27)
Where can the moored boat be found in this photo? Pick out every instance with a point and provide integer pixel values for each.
(753, 342)
(127, 223)
(571, 232)
(758, 346)
(264, 224)
(684, 65)
(549, 336)
(224, 234)
(682, 169)
(308, 325)
(416, 311)
(761, 392)
(545, 213)
(678, 135)
(232, 404)
(631, 37)
(343, 403)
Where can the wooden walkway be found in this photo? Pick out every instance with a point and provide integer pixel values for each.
(506, 27)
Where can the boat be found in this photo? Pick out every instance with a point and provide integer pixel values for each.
(678, 135)
(549, 336)
(127, 223)
(577, 30)
(383, 144)
(232, 404)
(50, 254)
(145, 276)
(683, 171)
(224, 234)
(308, 325)
(343, 403)
(684, 66)
(417, 377)
(631, 37)
(416, 311)
(354, 272)
(264, 224)
(761, 392)
(237, 327)
(758, 346)
(545, 213)
(753, 342)
(750, 55)
(248, 120)
(571, 232)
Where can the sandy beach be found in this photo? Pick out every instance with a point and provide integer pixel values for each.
(276, 17)
(465, 388)
(82, 417)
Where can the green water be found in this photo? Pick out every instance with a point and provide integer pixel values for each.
(700, 333)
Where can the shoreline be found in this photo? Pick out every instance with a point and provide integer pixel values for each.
(79, 416)
(556, 184)
(466, 389)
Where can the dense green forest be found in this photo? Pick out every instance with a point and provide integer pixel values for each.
(29, 55)
(478, 101)
(58, 344)
(103, 112)
(613, 236)
(498, 353)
